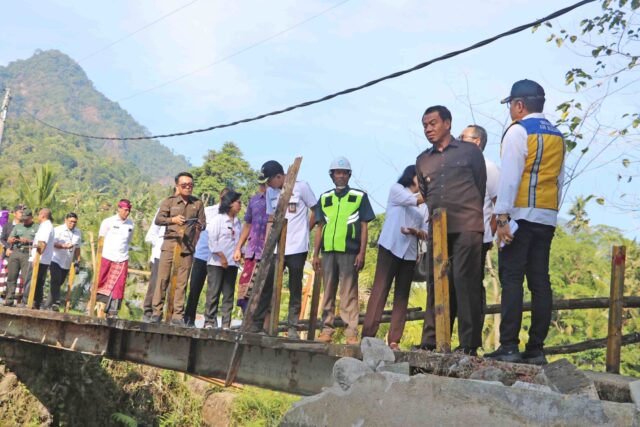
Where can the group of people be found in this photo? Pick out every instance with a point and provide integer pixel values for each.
(57, 250)
(516, 206)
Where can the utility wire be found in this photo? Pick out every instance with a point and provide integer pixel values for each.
(102, 49)
(340, 93)
(234, 54)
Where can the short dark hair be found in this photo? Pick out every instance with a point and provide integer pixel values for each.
(227, 200)
(406, 179)
(183, 174)
(71, 215)
(481, 133)
(442, 111)
(533, 104)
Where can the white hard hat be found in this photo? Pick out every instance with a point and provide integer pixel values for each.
(340, 163)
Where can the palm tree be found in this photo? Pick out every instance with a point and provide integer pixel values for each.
(38, 189)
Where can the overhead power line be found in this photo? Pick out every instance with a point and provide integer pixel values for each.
(102, 49)
(340, 93)
(234, 54)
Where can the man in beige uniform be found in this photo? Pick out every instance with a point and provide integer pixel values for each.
(180, 211)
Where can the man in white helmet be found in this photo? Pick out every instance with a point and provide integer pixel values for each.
(342, 215)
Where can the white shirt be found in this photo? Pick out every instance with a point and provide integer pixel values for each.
(514, 156)
(402, 211)
(210, 212)
(493, 175)
(62, 235)
(155, 237)
(117, 236)
(302, 199)
(44, 234)
(223, 234)
(202, 247)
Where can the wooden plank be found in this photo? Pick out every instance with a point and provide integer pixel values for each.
(34, 277)
(175, 264)
(614, 337)
(276, 296)
(96, 276)
(441, 285)
(72, 279)
(315, 302)
(260, 275)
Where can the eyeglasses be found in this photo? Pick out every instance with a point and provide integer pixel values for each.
(186, 185)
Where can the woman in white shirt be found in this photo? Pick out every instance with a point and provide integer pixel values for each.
(405, 222)
(223, 232)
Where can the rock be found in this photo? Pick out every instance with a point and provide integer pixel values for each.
(489, 382)
(347, 370)
(401, 368)
(8, 383)
(564, 377)
(384, 399)
(216, 410)
(532, 386)
(490, 373)
(375, 352)
(634, 390)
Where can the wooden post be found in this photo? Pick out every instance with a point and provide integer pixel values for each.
(72, 279)
(34, 277)
(441, 288)
(96, 276)
(262, 270)
(306, 293)
(614, 337)
(175, 264)
(315, 302)
(277, 288)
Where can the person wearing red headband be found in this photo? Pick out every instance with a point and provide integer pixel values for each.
(117, 231)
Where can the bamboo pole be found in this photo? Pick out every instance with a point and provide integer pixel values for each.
(276, 296)
(72, 279)
(96, 275)
(315, 302)
(614, 337)
(175, 265)
(34, 276)
(306, 293)
(441, 286)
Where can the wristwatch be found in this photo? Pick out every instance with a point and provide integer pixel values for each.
(501, 222)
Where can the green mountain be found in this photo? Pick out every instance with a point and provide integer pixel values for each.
(55, 89)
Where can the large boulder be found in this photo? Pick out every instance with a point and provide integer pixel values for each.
(384, 399)
(216, 410)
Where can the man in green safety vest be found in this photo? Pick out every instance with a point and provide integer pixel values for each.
(342, 215)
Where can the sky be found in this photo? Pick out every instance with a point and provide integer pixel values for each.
(249, 57)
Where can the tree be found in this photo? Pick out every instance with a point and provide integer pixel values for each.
(593, 138)
(39, 189)
(579, 219)
(225, 168)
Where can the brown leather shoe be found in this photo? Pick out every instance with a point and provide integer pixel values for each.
(324, 338)
(353, 341)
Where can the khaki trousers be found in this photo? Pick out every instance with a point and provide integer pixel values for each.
(165, 263)
(338, 269)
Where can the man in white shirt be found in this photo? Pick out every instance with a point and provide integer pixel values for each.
(478, 135)
(67, 239)
(43, 243)
(300, 219)
(117, 231)
(529, 194)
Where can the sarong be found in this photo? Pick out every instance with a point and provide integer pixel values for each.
(113, 276)
(245, 281)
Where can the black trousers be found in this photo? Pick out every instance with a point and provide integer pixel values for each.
(147, 305)
(198, 276)
(39, 293)
(58, 276)
(527, 255)
(295, 265)
(220, 280)
(465, 290)
(389, 268)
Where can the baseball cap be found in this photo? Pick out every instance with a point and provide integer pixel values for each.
(269, 170)
(524, 89)
(18, 207)
(26, 213)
